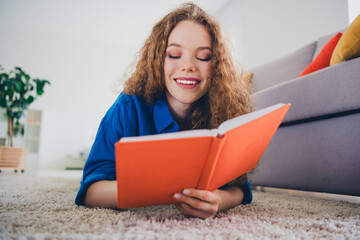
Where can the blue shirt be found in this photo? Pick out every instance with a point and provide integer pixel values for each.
(129, 116)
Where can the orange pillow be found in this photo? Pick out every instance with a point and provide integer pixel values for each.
(322, 60)
(349, 44)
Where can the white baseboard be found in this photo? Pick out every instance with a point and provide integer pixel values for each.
(60, 173)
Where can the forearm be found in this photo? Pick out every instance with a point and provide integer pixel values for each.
(102, 194)
(230, 197)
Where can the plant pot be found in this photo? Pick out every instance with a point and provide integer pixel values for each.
(13, 158)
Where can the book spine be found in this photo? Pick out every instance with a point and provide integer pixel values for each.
(211, 162)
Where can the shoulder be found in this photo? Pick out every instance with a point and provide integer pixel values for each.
(125, 113)
(128, 99)
(128, 106)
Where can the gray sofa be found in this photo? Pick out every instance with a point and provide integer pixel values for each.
(317, 147)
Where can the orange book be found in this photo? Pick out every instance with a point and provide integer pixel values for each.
(150, 169)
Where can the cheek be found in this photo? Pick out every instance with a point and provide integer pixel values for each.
(205, 70)
(169, 68)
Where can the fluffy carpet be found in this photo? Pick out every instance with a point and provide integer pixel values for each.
(43, 208)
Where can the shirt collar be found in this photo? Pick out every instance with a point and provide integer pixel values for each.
(164, 121)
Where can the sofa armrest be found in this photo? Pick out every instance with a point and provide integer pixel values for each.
(334, 89)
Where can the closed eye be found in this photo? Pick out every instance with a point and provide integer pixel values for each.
(173, 57)
(204, 59)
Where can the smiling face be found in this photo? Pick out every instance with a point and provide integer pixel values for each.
(187, 63)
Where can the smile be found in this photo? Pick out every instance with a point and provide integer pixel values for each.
(187, 81)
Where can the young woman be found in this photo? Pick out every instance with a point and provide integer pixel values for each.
(185, 79)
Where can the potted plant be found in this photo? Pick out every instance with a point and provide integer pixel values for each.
(17, 91)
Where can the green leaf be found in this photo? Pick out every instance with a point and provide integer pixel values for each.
(10, 113)
(19, 86)
(40, 87)
(2, 102)
(19, 69)
(18, 128)
(4, 76)
(30, 99)
(18, 114)
(17, 91)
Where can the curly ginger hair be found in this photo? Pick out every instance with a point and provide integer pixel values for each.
(228, 96)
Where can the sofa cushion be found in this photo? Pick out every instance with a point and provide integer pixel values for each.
(348, 46)
(328, 91)
(323, 40)
(322, 60)
(283, 69)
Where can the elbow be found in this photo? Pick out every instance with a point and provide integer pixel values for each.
(101, 194)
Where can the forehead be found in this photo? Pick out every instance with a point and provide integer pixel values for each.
(187, 33)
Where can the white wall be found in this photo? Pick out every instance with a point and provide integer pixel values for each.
(73, 44)
(264, 30)
(354, 9)
(82, 47)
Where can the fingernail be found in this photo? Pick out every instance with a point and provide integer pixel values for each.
(186, 191)
(177, 196)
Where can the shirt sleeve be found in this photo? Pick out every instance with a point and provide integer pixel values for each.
(244, 185)
(100, 164)
(247, 193)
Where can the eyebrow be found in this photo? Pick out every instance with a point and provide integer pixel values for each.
(199, 48)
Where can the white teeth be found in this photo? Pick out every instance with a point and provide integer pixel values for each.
(187, 82)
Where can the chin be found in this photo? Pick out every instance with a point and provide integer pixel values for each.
(184, 97)
(188, 100)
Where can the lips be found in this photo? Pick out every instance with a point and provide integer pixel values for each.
(187, 81)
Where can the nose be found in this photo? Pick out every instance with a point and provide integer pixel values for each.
(188, 65)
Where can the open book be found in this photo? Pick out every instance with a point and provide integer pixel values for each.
(150, 169)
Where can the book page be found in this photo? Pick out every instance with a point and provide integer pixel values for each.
(238, 121)
(182, 134)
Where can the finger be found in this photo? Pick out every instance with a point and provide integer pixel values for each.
(203, 195)
(189, 211)
(183, 212)
(196, 203)
(178, 206)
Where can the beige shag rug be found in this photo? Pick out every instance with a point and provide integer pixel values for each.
(43, 208)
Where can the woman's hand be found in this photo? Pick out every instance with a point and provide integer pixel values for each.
(198, 203)
(205, 204)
